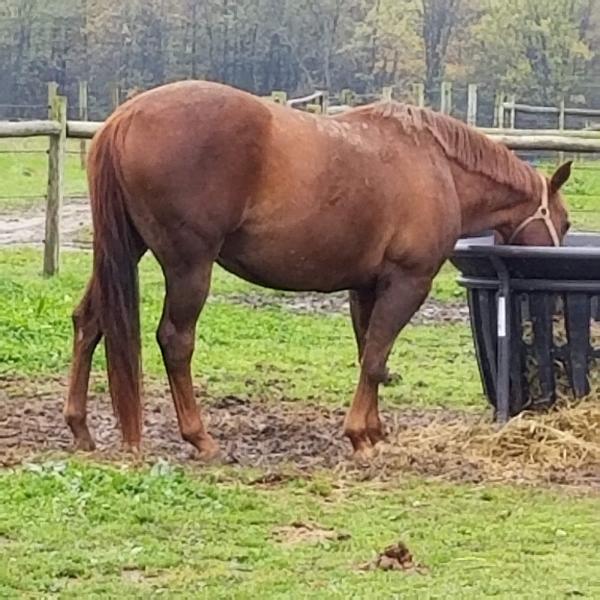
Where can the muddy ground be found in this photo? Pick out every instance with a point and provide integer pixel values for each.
(253, 433)
(282, 438)
(26, 227)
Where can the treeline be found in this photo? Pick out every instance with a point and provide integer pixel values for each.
(538, 50)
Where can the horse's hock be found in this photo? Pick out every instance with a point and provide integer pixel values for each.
(535, 318)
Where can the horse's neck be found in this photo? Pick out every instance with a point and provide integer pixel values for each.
(485, 203)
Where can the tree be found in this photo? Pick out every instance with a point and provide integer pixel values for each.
(440, 20)
(540, 53)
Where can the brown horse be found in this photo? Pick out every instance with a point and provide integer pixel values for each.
(371, 201)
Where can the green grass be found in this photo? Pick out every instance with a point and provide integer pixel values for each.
(242, 350)
(582, 195)
(25, 175)
(77, 530)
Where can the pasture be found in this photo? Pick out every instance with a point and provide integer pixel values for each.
(287, 515)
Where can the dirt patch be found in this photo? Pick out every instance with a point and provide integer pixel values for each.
(433, 312)
(28, 227)
(284, 436)
(307, 533)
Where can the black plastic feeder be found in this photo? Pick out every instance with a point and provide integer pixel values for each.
(532, 307)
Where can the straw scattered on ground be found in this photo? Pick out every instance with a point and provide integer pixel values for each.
(562, 445)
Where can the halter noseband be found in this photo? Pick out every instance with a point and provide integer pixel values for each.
(541, 214)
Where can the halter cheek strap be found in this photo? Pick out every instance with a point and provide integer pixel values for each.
(541, 214)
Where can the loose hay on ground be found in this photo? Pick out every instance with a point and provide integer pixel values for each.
(532, 446)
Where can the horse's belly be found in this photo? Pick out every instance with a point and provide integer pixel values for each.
(280, 265)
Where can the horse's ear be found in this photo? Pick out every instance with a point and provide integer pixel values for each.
(560, 177)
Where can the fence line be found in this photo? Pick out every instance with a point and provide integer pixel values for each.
(552, 110)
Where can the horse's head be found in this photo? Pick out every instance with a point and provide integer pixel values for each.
(547, 220)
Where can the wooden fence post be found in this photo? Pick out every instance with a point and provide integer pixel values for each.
(499, 110)
(115, 95)
(347, 97)
(512, 100)
(54, 198)
(325, 102)
(561, 126)
(52, 93)
(446, 100)
(419, 94)
(472, 105)
(83, 116)
(279, 97)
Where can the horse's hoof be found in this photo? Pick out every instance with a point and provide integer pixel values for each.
(84, 444)
(364, 454)
(209, 452)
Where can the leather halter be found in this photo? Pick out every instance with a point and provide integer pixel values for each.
(541, 214)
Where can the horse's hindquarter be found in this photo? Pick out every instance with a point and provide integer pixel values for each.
(324, 212)
(191, 158)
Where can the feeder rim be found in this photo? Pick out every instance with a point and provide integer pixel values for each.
(484, 245)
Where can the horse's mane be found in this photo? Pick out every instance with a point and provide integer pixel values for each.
(472, 150)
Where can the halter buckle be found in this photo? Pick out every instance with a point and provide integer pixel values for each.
(541, 214)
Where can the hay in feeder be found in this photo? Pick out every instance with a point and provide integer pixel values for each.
(564, 393)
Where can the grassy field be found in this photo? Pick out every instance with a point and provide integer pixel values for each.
(85, 531)
(24, 169)
(71, 527)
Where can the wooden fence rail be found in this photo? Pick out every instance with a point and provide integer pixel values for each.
(552, 110)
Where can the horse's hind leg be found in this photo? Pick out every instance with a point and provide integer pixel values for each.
(361, 307)
(87, 334)
(186, 293)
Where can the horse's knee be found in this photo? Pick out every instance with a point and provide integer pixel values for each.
(177, 346)
(374, 369)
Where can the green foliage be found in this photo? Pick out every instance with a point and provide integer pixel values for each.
(540, 53)
(533, 48)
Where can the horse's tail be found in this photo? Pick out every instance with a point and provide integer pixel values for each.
(114, 287)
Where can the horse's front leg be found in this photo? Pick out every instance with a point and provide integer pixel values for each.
(398, 296)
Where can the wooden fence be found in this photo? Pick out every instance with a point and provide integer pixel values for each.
(57, 128)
